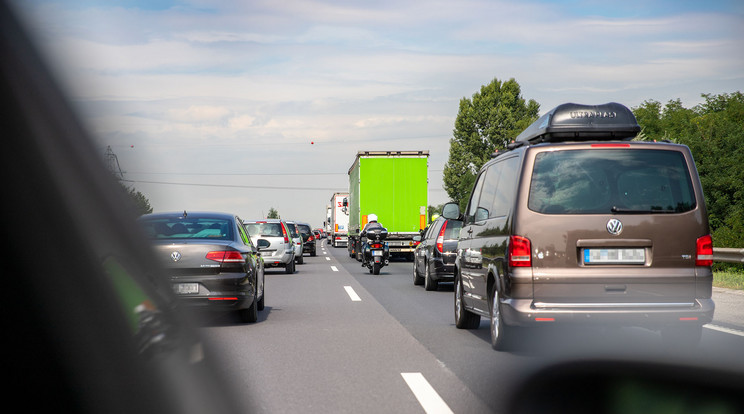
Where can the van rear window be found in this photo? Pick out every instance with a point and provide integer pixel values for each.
(595, 181)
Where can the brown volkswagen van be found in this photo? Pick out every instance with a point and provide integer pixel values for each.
(576, 223)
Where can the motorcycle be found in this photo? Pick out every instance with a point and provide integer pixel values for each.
(376, 251)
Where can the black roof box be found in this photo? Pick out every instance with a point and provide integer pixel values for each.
(576, 122)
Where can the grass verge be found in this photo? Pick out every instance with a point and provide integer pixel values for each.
(728, 279)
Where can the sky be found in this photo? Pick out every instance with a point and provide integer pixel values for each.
(241, 106)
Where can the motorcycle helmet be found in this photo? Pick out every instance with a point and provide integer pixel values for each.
(372, 217)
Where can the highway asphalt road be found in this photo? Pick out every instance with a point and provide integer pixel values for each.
(334, 338)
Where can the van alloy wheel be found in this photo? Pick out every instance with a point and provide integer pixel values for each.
(464, 319)
(500, 333)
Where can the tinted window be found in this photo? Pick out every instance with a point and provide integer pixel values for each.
(490, 185)
(473, 204)
(452, 232)
(434, 229)
(264, 229)
(304, 229)
(187, 228)
(506, 188)
(602, 181)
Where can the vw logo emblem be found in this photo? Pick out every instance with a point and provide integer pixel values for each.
(176, 256)
(615, 227)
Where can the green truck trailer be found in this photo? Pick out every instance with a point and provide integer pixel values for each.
(394, 186)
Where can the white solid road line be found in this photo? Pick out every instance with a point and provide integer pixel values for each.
(430, 401)
(352, 294)
(726, 330)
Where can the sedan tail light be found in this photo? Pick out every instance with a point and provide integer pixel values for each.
(225, 256)
(520, 252)
(704, 251)
(440, 238)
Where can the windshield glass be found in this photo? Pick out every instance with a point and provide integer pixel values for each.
(187, 228)
(605, 181)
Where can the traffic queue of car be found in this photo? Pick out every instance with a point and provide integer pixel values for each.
(216, 261)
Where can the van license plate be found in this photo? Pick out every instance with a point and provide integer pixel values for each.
(186, 288)
(614, 256)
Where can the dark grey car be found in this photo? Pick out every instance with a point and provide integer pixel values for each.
(434, 257)
(210, 260)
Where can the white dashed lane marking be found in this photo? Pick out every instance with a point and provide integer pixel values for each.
(430, 401)
(352, 294)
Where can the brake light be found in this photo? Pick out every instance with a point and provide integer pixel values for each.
(704, 251)
(520, 252)
(225, 256)
(610, 145)
(284, 233)
(377, 246)
(440, 238)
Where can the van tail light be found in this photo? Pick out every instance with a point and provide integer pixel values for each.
(519, 252)
(229, 256)
(440, 238)
(704, 251)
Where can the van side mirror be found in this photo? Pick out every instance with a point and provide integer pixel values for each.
(451, 211)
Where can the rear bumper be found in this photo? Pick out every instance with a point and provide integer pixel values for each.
(525, 312)
(441, 271)
(222, 291)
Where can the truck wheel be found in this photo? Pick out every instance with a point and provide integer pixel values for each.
(464, 319)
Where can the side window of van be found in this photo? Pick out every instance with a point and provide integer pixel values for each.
(473, 204)
(506, 189)
(490, 187)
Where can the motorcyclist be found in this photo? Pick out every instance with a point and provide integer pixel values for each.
(371, 224)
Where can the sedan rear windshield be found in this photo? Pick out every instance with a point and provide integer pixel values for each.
(604, 181)
(188, 228)
(264, 229)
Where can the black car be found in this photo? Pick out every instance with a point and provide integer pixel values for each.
(434, 257)
(209, 260)
(308, 238)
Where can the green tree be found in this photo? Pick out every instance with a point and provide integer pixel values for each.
(494, 116)
(714, 131)
(273, 214)
(139, 203)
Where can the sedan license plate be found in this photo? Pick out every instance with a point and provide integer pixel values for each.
(376, 252)
(614, 256)
(186, 288)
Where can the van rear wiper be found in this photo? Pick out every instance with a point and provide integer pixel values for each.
(616, 209)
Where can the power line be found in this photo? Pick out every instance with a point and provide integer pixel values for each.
(236, 186)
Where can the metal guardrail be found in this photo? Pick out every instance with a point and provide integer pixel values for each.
(728, 255)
